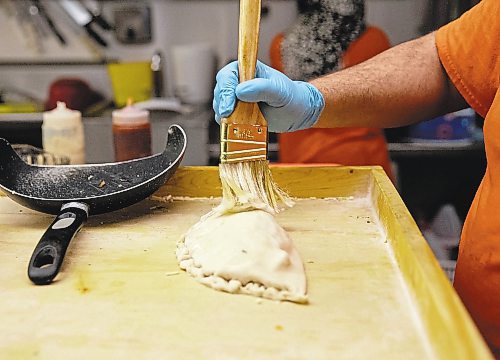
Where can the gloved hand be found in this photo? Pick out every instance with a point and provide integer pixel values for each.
(287, 105)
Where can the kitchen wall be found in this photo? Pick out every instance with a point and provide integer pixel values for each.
(174, 22)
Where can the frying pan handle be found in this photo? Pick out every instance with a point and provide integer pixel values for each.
(49, 253)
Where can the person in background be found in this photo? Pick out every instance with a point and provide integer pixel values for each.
(327, 36)
(442, 72)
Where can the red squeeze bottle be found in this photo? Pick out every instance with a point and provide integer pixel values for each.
(131, 133)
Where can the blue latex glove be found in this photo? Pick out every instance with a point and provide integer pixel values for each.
(287, 105)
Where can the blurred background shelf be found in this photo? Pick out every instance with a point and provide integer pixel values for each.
(31, 62)
(437, 148)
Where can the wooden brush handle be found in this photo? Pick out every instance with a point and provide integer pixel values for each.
(248, 40)
(248, 43)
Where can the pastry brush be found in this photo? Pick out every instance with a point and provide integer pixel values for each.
(244, 170)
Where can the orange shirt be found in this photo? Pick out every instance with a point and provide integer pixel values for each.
(469, 51)
(346, 146)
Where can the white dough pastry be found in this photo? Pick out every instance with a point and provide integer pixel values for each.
(245, 252)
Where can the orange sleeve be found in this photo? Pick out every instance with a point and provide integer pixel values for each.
(468, 49)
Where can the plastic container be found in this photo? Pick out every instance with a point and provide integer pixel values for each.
(194, 68)
(62, 133)
(131, 133)
(457, 126)
(131, 80)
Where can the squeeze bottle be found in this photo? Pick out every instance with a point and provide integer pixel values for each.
(62, 133)
(131, 133)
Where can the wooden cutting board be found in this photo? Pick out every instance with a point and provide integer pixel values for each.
(120, 293)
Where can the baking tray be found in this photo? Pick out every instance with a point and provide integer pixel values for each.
(375, 289)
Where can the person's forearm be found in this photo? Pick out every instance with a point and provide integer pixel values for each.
(401, 86)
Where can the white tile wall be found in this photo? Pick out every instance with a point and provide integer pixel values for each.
(400, 19)
(177, 22)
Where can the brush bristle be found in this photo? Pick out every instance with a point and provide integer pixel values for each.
(249, 185)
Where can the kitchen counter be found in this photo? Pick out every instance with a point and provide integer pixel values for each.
(99, 136)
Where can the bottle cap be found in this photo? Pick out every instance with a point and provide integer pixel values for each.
(130, 115)
(61, 115)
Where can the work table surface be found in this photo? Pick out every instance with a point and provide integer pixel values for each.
(375, 289)
(120, 292)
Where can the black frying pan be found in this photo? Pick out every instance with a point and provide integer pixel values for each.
(75, 192)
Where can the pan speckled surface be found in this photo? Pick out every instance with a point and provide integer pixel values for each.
(104, 187)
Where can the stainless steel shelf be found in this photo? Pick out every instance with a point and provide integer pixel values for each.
(445, 148)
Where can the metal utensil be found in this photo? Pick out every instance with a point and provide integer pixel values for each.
(97, 16)
(82, 17)
(75, 192)
(32, 33)
(48, 20)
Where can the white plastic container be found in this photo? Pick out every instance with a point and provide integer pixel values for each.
(62, 133)
(194, 68)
